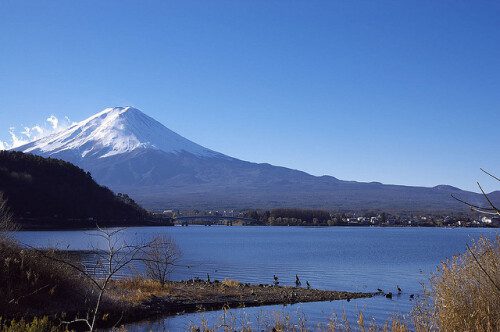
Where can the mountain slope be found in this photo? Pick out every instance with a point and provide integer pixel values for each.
(131, 152)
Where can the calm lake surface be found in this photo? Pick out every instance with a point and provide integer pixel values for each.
(336, 258)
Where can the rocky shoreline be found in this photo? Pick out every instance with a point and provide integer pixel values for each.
(146, 299)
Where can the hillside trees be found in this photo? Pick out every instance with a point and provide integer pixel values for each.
(57, 192)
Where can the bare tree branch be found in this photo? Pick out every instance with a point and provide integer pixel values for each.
(75, 266)
(28, 295)
(6, 223)
(488, 199)
(475, 207)
(490, 174)
(492, 210)
(482, 268)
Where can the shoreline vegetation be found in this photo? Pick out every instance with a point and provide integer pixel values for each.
(157, 221)
(246, 218)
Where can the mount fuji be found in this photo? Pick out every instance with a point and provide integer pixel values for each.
(131, 152)
(112, 132)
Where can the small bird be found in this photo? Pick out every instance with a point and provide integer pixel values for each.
(297, 281)
(308, 285)
(276, 281)
(379, 290)
(412, 296)
(399, 290)
(208, 278)
(389, 295)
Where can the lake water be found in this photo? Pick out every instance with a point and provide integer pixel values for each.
(336, 258)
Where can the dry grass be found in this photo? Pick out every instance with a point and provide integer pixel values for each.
(465, 293)
(280, 322)
(230, 283)
(6, 223)
(31, 283)
(36, 325)
(138, 290)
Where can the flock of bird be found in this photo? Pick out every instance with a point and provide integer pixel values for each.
(298, 283)
(388, 295)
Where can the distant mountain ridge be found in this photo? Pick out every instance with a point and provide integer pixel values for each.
(131, 152)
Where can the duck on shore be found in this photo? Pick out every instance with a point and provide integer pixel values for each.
(297, 281)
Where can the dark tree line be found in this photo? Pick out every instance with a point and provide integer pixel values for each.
(56, 191)
(303, 214)
(308, 216)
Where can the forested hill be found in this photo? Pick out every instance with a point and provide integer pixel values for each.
(51, 193)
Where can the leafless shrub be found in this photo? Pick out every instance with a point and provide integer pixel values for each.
(31, 275)
(160, 257)
(108, 263)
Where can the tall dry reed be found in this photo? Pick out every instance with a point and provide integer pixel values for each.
(465, 292)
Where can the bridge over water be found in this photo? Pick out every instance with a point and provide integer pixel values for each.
(209, 220)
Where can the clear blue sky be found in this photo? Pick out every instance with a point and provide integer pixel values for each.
(404, 92)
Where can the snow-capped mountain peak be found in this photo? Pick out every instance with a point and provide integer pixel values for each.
(112, 132)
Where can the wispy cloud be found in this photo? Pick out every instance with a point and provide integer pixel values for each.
(32, 133)
(54, 122)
